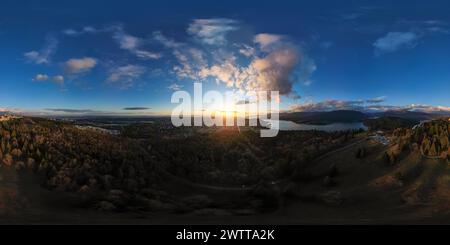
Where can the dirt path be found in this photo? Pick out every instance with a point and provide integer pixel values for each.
(340, 149)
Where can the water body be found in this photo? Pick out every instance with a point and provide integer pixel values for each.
(333, 127)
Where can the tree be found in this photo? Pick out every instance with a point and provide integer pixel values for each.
(8, 160)
(432, 151)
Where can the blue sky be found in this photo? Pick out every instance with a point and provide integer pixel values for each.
(104, 56)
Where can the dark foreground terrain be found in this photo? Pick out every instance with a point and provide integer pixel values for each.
(55, 172)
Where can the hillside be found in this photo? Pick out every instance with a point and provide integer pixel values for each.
(299, 177)
(421, 160)
(389, 123)
(405, 114)
(402, 117)
(433, 138)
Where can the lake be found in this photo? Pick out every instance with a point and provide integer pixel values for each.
(333, 127)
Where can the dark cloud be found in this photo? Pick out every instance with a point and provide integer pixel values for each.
(72, 110)
(376, 100)
(136, 108)
(244, 102)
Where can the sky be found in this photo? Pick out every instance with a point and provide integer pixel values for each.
(129, 57)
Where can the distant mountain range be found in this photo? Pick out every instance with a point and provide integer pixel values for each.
(351, 116)
(322, 117)
(413, 115)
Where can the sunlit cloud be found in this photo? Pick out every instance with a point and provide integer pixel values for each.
(264, 61)
(247, 50)
(272, 70)
(59, 79)
(40, 77)
(79, 65)
(265, 40)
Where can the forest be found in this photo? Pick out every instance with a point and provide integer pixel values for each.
(126, 172)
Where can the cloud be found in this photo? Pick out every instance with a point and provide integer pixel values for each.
(247, 50)
(368, 105)
(265, 40)
(212, 31)
(272, 70)
(126, 41)
(175, 87)
(87, 30)
(244, 102)
(75, 112)
(328, 105)
(136, 108)
(394, 41)
(418, 29)
(165, 41)
(42, 56)
(78, 111)
(427, 108)
(376, 100)
(260, 62)
(146, 55)
(76, 66)
(128, 111)
(10, 111)
(351, 16)
(40, 77)
(426, 27)
(265, 61)
(59, 79)
(411, 107)
(190, 62)
(326, 45)
(133, 44)
(125, 76)
(70, 32)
